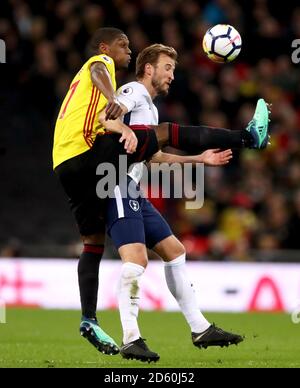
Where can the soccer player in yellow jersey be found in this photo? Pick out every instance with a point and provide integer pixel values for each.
(75, 157)
(92, 89)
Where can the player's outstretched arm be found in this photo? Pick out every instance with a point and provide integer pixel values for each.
(215, 157)
(102, 80)
(117, 126)
(210, 158)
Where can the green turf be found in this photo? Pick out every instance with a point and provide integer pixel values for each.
(50, 339)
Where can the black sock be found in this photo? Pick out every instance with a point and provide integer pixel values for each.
(194, 139)
(88, 278)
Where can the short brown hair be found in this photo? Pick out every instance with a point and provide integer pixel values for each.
(151, 55)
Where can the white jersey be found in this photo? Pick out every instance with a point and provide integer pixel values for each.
(141, 110)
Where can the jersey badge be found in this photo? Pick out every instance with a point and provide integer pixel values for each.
(127, 91)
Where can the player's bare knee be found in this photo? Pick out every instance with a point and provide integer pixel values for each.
(177, 250)
(144, 262)
(164, 126)
(140, 259)
(170, 249)
(162, 133)
(134, 253)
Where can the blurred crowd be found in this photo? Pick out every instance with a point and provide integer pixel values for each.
(254, 204)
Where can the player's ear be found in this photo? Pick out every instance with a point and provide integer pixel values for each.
(104, 48)
(148, 69)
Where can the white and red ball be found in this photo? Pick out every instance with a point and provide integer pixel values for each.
(222, 43)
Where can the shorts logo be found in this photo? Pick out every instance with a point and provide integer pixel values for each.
(135, 206)
(127, 91)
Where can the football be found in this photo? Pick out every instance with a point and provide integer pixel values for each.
(222, 43)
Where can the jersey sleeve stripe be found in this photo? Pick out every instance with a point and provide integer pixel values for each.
(87, 129)
(93, 115)
(94, 106)
(87, 115)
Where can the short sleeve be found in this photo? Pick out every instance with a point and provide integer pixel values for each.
(107, 61)
(128, 96)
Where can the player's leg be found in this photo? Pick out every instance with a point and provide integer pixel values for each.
(88, 273)
(193, 139)
(160, 238)
(92, 231)
(88, 279)
(125, 227)
(203, 333)
(174, 256)
(78, 182)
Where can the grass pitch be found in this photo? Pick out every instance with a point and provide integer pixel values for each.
(50, 339)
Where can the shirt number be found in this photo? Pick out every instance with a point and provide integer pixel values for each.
(72, 89)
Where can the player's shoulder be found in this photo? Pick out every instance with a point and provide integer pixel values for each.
(108, 61)
(131, 88)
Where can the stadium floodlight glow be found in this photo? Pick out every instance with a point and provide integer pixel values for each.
(2, 311)
(2, 51)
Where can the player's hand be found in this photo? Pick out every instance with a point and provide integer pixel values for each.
(113, 110)
(130, 139)
(216, 157)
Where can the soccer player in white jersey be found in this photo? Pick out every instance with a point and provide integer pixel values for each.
(135, 225)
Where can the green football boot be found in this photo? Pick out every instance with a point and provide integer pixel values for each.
(91, 330)
(258, 127)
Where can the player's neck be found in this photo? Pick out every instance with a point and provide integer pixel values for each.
(148, 85)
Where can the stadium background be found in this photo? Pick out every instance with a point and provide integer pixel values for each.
(252, 207)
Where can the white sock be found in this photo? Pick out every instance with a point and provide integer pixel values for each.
(128, 297)
(182, 290)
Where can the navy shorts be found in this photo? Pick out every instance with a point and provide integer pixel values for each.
(132, 219)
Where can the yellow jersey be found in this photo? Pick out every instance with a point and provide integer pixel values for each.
(77, 124)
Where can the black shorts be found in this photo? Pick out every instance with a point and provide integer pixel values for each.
(79, 180)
